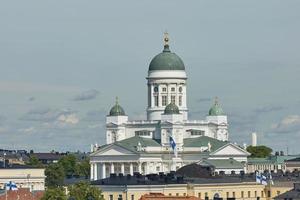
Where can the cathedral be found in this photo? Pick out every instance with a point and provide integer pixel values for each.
(144, 145)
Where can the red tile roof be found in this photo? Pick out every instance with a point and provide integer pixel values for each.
(22, 194)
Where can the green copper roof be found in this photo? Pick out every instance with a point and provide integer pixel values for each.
(172, 108)
(222, 163)
(166, 61)
(216, 110)
(203, 141)
(116, 110)
(131, 143)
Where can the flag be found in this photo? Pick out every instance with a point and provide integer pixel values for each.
(11, 186)
(264, 180)
(258, 177)
(271, 179)
(173, 145)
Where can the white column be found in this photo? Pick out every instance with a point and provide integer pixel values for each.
(140, 168)
(95, 171)
(112, 168)
(103, 170)
(92, 171)
(131, 168)
(122, 168)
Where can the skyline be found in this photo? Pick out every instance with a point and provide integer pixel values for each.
(60, 73)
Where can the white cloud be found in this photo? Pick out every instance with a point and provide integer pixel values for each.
(290, 123)
(68, 118)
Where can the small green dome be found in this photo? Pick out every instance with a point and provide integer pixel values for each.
(117, 110)
(171, 108)
(166, 61)
(216, 109)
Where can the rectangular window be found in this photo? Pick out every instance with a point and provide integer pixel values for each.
(132, 197)
(199, 194)
(180, 101)
(249, 194)
(262, 193)
(172, 89)
(233, 194)
(269, 193)
(120, 197)
(170, 194)
(184, 194)
(227, 194)
(158, 169)
(242, 194)
(155, 100)
(177, 194)
(278, 193)
(164, 100)
(111, 197)
(255, 194)
(206, 195)
(173, 99)
(164, 89)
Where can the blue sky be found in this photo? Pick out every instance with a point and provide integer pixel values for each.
(63, 62)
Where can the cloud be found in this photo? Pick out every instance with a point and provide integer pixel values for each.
(27, 130)
(31, 99)
(95, 115)
(68, 118)
(52, 116)
(289, 124)
(86, 95)
(267, 109)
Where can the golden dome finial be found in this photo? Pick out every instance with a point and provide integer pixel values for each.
(166, 38)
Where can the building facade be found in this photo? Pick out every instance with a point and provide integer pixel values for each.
(144, 146)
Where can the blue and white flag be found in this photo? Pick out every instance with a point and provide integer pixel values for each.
(173, 145)
(258, 177)
(11, 186)
(264, 180)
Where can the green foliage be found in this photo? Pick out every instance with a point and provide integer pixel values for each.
(54, 175)
(54, 194)
(34, 161)
(259, 151)
(82, 190)
(84, 168)
(68, 162)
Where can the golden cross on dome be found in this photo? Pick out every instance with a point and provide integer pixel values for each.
(166, 38)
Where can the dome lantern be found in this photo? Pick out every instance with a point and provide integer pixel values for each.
(171, 108)
(216, 109)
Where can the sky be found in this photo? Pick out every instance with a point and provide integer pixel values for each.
(63, 62)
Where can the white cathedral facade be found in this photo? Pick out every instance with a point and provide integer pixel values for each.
(144, 146)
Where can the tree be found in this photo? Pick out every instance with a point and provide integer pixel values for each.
(259, 151)
(68, 162)
(54, 194)
(83, 190)
(55, 175)
(34, 161)
(84, 168)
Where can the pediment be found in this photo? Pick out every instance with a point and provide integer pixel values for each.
(113, 150)
(230, 149)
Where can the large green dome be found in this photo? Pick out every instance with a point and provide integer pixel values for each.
(171, 108)
(166, 61)
(216, 110)
(117, 110)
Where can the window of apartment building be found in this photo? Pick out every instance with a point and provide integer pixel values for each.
(170, 194)
(180, 101)
(199, 194)
(269, 193)
(173, 99)
(206, 195)
(262, 194)
(164, 100)
(242, 194)
(255, 194)
(155, 100)
(249, 194)
(227, 194)
(233, 194)
(132, 197)
(177, 194)
(111, 197)
(120, 197)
